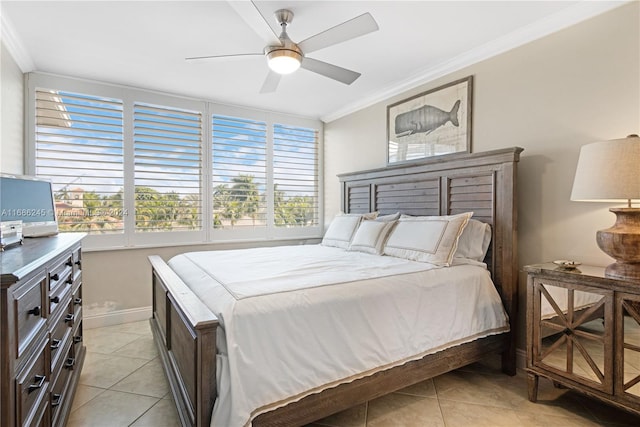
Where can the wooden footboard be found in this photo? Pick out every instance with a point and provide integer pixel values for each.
(344, 396)
(184, 330)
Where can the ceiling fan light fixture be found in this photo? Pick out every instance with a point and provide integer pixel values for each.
(284, 61)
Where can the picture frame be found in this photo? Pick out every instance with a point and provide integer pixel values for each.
(433, 123)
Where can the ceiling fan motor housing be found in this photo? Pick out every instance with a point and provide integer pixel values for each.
(285, 58)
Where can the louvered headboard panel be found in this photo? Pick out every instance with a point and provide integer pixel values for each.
(484, 183)
(417, 197)
(473, 193)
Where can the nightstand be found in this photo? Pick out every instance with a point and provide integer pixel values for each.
(583, 333)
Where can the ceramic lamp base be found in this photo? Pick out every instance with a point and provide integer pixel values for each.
(622, 243)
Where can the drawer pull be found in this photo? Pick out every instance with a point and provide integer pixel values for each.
(69, 363)
(78, 263)
(55, 277)
(35, 311)
(69, 263)
(38, 384)
(56, 399)
(68, 318)
(77, 301)
(55, 299)
(55, 344)
(77, 339)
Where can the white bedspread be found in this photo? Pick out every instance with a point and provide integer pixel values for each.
(299, 319)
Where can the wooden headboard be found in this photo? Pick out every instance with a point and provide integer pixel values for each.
(484, 183)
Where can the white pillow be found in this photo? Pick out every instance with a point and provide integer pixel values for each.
(341, 230)
(474, 241)
(370, 236)
(432, 239)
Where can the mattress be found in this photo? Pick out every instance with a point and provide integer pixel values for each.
(296, 320)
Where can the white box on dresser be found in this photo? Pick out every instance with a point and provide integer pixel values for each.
(41, 349)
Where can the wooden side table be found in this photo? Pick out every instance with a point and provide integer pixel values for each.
(583, 333)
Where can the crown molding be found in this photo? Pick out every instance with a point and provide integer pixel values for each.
(14, 45)
(567, 17)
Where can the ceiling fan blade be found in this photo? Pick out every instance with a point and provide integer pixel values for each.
(329, 70)
(250, 14)
(348, 30)
(271, 82)
(198, 58)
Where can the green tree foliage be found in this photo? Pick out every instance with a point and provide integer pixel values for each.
(292, 211)
(156, 211)
(242, 199)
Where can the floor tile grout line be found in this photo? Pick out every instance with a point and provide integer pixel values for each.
(366, 413)
(437, 397)
(142, 415)
(139, 394)
(102, 391)
(122, 346)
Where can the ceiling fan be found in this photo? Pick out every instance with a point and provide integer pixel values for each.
(285, 56)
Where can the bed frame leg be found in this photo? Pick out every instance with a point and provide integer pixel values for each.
(509, 359)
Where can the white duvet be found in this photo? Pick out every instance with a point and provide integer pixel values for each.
(296, 320)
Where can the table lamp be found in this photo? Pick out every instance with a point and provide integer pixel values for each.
(609, 171)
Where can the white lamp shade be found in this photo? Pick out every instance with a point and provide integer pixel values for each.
(284, 61)
(608, 171)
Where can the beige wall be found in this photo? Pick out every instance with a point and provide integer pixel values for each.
(11, 114)
(550, 97)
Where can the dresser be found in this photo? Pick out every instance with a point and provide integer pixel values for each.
(40, 330)
(583, 333)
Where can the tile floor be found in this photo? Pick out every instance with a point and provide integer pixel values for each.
(122, 384)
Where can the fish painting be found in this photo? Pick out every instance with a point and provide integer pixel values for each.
(425, 120)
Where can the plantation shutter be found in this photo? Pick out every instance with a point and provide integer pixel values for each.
(167, 168)
(239, 172)
(295, 172)
(79, 147)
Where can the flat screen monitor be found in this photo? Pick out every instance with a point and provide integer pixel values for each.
(30, 200)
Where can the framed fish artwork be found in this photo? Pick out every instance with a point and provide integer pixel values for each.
(432, 123)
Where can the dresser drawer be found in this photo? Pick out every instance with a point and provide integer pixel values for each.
(76, 259)
(61, 273)
(60, 391)
(78, 338)
(32, 387)
(59, 300)
(60, 339)
(76, 300)
(29, 312)
(42, 419)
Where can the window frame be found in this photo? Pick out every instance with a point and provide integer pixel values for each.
(207, 235)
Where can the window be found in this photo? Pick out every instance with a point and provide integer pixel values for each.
(167, 152)
(79, 147)
(239, 172)
(137, 168)
(295, 176)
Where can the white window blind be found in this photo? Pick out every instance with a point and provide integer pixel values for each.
(79, 147)
(295, 176)
(239, 172)
(139, 169)
(167, 168)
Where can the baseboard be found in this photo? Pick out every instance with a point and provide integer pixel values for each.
(116, 317)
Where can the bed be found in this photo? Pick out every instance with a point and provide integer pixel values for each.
(190, 336)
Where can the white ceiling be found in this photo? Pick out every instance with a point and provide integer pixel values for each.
(144, 43)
